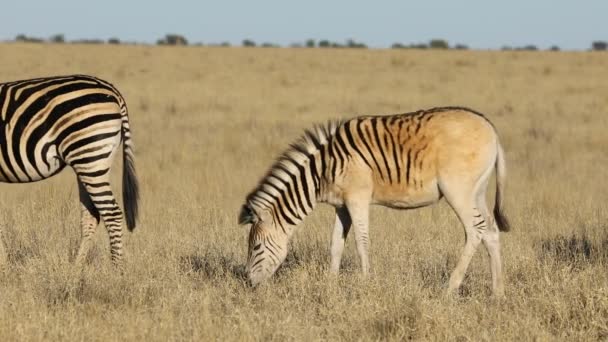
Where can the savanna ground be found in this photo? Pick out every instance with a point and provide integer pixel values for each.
(207, 123)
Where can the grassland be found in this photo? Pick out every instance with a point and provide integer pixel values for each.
(207, 122)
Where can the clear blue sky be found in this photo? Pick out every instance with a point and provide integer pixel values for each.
(478, 23)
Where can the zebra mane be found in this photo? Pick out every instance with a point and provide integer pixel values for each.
(298, 152)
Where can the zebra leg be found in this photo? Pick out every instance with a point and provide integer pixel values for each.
(341, 229)
(472, 240)
(461, 197)
(89, 219)
(98, 188)
(359, 213)
(490, 239)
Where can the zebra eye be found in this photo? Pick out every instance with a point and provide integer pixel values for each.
(256, 247)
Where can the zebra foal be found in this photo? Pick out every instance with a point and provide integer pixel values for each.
(400, 161)
(80, 121)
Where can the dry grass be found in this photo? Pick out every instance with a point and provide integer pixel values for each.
(207, 122)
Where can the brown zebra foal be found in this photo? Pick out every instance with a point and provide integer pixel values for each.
(80, 121)
(399, 161)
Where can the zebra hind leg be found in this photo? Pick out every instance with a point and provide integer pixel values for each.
(491, 241)
(97, 186)
(461, 197)
(89, 219)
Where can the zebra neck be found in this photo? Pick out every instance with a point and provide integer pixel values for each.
(290, 191)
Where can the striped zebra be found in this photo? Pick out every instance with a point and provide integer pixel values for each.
(399, 161)
(80, 121)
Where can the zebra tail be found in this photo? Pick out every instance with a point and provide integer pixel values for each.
(501, 173)
(130, 186)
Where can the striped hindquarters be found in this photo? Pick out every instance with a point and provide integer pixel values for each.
(50, 122)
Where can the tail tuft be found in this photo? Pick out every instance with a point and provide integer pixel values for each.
(501, 220)
(130, 192)
(130, 186)
(501, 173)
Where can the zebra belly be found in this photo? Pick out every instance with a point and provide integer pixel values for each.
(407, 198)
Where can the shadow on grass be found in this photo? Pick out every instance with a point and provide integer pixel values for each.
(577, 250)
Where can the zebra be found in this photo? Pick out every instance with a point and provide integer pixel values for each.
(399, 161)
(76, 120)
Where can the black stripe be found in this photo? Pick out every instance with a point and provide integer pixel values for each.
(281, 214)
(291, 186)
(351, 142)
(305, 189)
(315, 176)
(332, 160)
(87, 160)
(296, 188)
(96, 185)
(99, 194)
(381, 148)
(283, 196)
(94, 173)
(83, 142)
(369, 150)
(395, 146)
(409, 166)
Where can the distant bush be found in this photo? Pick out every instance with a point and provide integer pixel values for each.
(438, 44)
(87, 41)
(418, 46)
(172, 39)
(554, 48)
(269, 45)
(599, 46)
(248, 43)
(310, 43)
(25, 39)
(353, 44)
(529, 48)
(398, 46)
(115, 41)
(461, 47)
(324, 43)
(58, 38)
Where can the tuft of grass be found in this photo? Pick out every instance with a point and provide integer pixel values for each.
(576, 250)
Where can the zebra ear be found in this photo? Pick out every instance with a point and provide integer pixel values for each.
(247, 215)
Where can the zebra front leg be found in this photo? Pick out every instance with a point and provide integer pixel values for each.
(89, 219)
(341, 229)
(359, 214)
(100, 192)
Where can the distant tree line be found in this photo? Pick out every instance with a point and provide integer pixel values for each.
(172, 39)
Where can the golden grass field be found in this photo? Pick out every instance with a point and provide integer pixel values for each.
(208, 122)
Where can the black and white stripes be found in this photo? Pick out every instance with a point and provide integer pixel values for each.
(80, 121)
(399, 161)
